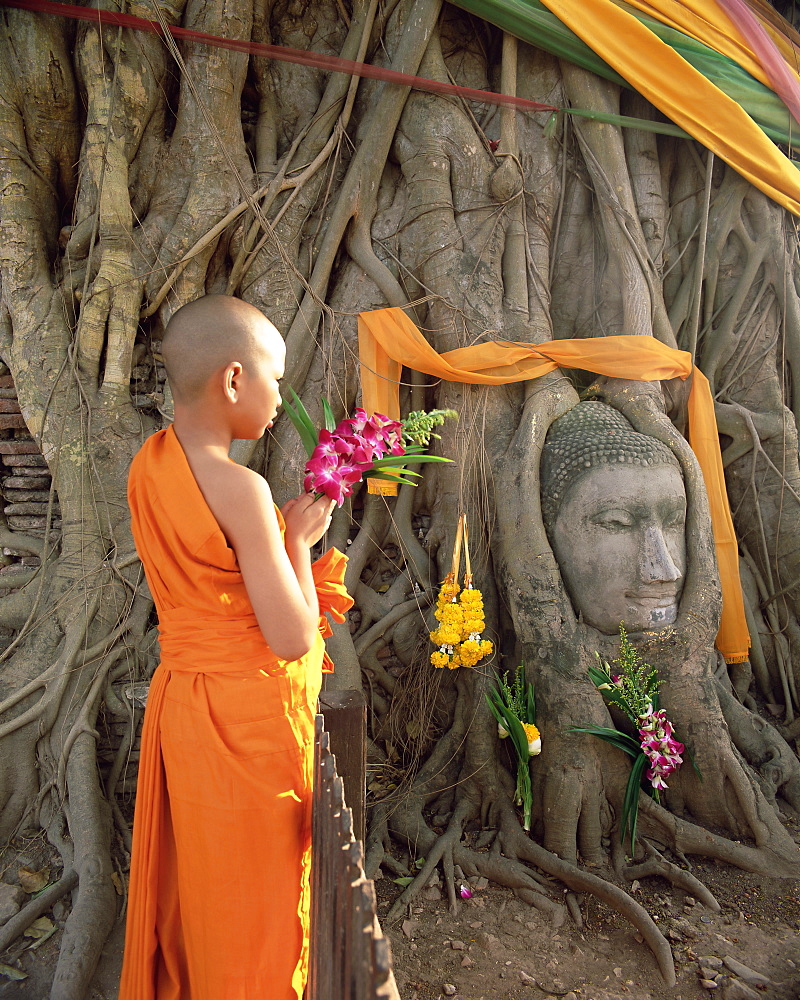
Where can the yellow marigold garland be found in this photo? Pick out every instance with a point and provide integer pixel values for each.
(460, 615)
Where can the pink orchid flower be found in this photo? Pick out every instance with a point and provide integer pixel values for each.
(342, 456)
(659, 746)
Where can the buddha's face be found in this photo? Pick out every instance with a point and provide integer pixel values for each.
(619, 541)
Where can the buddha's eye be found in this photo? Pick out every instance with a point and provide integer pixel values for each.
(676, 519)
(614, 520)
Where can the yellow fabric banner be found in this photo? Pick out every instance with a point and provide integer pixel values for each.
(388, 339)
(684, 95)
(705, 21)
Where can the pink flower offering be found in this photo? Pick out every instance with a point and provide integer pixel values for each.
(660, 746)
(343, 455)
(465, 892)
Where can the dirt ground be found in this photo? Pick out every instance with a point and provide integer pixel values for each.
(498, 948)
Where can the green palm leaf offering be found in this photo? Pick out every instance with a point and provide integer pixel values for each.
(632, 686)
(514, 707)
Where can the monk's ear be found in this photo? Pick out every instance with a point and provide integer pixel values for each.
(231, 380)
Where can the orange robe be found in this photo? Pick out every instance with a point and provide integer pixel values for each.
(218, 905)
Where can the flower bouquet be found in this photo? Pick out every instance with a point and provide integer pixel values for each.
(341, 455)
(459, 613)
(514, 707)
(633, 688)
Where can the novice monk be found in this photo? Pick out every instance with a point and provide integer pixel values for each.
(218, 905)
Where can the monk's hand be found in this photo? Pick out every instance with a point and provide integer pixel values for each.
(307, 519)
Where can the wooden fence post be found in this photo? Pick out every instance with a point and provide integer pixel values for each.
(345, 715)
(350, 957)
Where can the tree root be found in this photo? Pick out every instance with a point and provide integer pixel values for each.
(515, 841)
(775, 765)
(510, 871)
(93, 914)
(504, 871)
(658, 865)
(416, 605)
(12, 928)
(687, 838)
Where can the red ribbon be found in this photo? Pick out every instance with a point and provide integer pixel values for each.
(334, 64)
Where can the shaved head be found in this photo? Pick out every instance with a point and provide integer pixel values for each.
(206, 335)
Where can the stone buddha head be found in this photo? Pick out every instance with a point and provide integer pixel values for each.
(614, 508)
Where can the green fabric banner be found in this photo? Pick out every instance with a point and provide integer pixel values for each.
(532, 22)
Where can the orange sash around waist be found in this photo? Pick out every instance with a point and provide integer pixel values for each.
(189, 645)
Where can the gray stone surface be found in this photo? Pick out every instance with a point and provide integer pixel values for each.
(11, 898)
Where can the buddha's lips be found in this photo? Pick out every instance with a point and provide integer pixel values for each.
(661, 596)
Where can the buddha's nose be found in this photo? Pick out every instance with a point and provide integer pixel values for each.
(656, 565)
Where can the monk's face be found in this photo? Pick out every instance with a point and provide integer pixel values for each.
(620, 544)
(259, 389)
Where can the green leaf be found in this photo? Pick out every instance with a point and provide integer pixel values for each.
(397, 460)
(416, 459)
(403, 880)
(598, 676)
(330, 420)
(300, 410)
(394, 477)
(518, 737)
(531, 702)
(613, 736)
(625, 121)
(693, 762)
(506, 718)
(494, 710)
(11, 973)
(550, 125)
(630, 801)
(299, 417)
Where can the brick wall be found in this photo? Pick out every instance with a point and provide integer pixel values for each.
(25, 485)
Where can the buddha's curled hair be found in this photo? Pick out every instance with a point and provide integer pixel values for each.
(589, 435)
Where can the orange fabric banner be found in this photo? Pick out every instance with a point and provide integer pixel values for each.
(388, 339)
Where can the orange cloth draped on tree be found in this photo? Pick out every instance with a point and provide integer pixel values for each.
(388, 340)
(218, 905)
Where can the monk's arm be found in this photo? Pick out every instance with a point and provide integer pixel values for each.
(277, 577)
(305, 518)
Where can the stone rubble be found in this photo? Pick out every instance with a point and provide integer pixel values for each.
(11, 899)
(740, 991)
(749, 976)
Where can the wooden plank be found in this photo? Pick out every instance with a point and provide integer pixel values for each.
(345, 714)
(350, 959)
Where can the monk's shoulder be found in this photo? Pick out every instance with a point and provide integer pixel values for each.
(143, 470)
(237, 483)
(240, 500)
